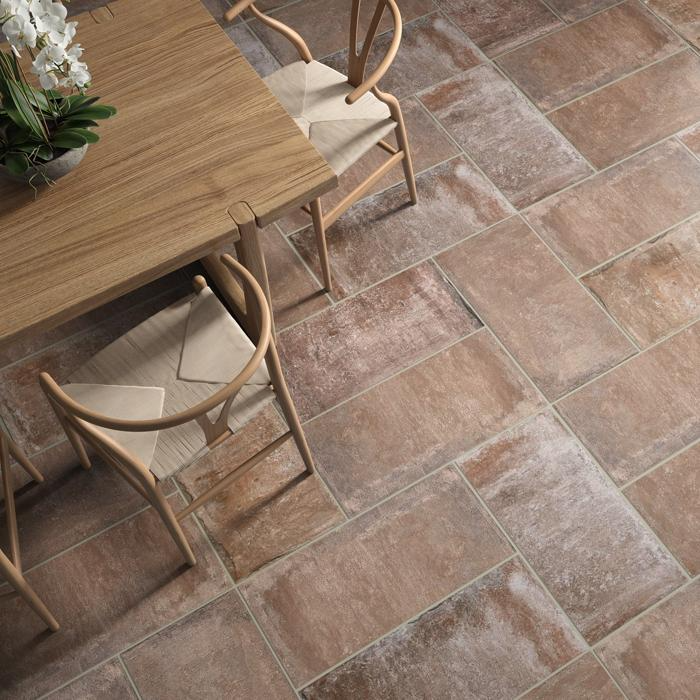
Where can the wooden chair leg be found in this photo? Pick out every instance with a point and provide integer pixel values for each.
(320, 230)
(23, 461)
(161, 504)
(10, 572)
(8, 490)
(407, 163)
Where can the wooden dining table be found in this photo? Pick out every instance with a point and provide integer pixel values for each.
(200, 154)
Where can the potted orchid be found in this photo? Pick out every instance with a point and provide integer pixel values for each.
(46, 117)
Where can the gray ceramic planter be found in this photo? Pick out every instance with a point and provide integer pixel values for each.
(54, 169)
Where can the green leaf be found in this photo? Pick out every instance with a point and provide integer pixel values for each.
(94, 112)
(73, 103)
(68, 139)
(78, 123)
(17, 163)
(89, 136)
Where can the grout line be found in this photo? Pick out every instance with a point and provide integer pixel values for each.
(102, 662)
(129, 677)
(660, 464)
(554, 673)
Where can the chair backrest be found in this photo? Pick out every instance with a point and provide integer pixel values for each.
(87, 422)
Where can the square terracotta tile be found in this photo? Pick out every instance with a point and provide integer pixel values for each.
(589, 54)
(573, 10)
(500, 25)
(384, 234)
(271, 510)
(429, 146)
(635, 112)
(216, 651)
(432, 49)
(556, 331)
(585, 679)
(369, 337)
(493, 639)
(642, 411)
(669, 500)
(419, 420)
(506, 136)
(658, 655)
(655, 289)
(337, 595)
(108, 682)
(107, 594)
(254, 51)
(682, 15)
(618, 209)
(584, 540)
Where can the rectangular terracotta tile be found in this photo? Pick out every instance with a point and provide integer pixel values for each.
(589, 54)
(108, 682)
(418, 420)
(655, 289)
(691, 138)
(669, 500)
(585, 679)
(340, 593)
(682, 15)
(493, 639)
(634, 112)
(273, 509)
(369, 337)
(325, 25)
(506, 136)
(642, 411)
(432, 49)
(429, 146)
(556, 331)
(620, 208)
(107, 594)
(500, 25)
(658, 655)
(254, 51)
(384, 234)
(584, 540)
(216, 650)
(573, 10)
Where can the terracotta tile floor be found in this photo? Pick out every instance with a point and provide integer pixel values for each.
(502, 395)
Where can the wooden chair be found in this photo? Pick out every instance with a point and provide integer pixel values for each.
(343, 116)
(175, 387)
(11, 567)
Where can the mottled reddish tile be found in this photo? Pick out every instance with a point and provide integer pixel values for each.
(271, 510)
(682, 15)
(658, 655)
(254, 51)
(493, 639)
(584, 540)
(429, 146)
(506, 136)
(642, 411)
(573, 10)
(217, 651)
(418, 420)
(107, 593)
(369, 337)
(500, 25)
(340, 593)
(669, 500)
(620, 208)
(432, 49)
(691, 138)
(585, 679)
(383, 234)
(589, 54)
(634, 112)
(655, 289)
(108, 682)
(556, 331)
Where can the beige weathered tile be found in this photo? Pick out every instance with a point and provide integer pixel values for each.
(500, 25)
(691, 138)
(418, 420)
(340, 593)
(493, 639)
(655, 289)
(585, 679)
(553, 328)
(383, 234)
(107, 593)
(271, 510)
(371, 336)
(669, 500)
(506, 136)
(573, 10)
(589, 54)
(642, 411)
(108, 682)
(634, 112)
(682, 15)
(620, 208)
(584, 540)
(658, 655)
(216, 652)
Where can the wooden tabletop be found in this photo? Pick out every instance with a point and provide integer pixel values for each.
(197, 131)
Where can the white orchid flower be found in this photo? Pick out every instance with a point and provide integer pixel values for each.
(19, 32)
(10, 8)
(48, 65)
